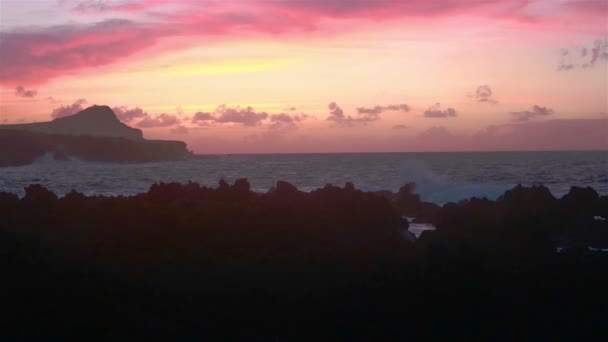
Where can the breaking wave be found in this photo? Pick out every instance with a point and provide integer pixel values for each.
(435, 188)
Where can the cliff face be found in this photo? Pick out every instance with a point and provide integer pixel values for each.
(99, 121)
(94, 134)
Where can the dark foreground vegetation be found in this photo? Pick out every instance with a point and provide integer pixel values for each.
(184, 261)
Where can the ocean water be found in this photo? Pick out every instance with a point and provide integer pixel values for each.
(440, 177)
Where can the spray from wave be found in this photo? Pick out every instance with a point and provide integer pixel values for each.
(51, 158)
(438, 189)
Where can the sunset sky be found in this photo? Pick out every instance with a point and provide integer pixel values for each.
(249, 76)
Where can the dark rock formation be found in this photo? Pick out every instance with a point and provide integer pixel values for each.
(98, 121)
(185, 262)
(94, 134)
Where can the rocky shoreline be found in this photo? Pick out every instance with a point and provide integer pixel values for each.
(187, 261)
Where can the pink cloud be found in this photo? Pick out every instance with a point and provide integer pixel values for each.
(107, 6)
(536, 111)
(363, 117)
(20, 91)
(595, 7)
(125, 114)
(160, 120)
(36, 55)
(72, 109)
(436, 112)
(247, 117)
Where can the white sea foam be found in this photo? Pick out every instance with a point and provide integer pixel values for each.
(418, 228)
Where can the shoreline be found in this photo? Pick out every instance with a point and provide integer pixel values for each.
(187, 261)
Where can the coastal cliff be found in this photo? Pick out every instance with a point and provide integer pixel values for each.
(94, 134)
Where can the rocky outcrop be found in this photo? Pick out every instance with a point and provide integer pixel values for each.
(99, 121)
(94, 134)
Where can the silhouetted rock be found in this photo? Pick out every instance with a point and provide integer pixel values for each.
(527, 197)
(38, 196)
(242, 186)
(94, 134)
(581, 201)
(428, 212)
(408, 201)
(223, 185)
(98, 121)
(602, 207)
(184, 261)
(285, 189)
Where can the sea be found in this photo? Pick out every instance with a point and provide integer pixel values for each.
(439, 177)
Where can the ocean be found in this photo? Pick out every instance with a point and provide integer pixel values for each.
(439, 177)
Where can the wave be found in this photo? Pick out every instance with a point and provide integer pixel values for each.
(51, 158)
(435, 188)
(439, 179)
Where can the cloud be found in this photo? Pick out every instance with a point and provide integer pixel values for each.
(584, 57)
(107, 6)
(379, 10)
(286, 118)
(436, 112)
(246, 116)
(180, 130)
(285, 122)
(484, 94)
(400, 127)
(598, 7)
(126, 115)
(72, 109)
(161, 120)
(312, 8)
(364, 115)
(531, 114)
(377, 110)
(123, 113)
(336, 114)
(22, 92)
(200, 117)
(34, 55)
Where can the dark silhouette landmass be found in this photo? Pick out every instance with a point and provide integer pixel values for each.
(94, 134)
(183, 261)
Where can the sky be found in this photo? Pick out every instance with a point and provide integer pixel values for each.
(294, 76)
